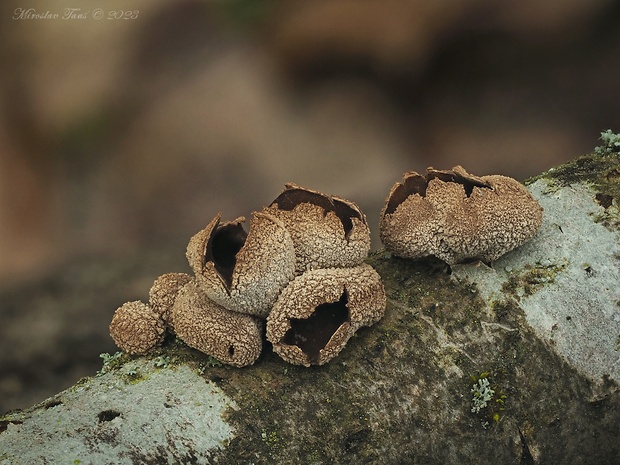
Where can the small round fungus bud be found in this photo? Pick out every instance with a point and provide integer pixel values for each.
(327, 231)
(136, 329)
(458, 217)
(163, 294)
(321, 309)
(243, 272)
(232, 338)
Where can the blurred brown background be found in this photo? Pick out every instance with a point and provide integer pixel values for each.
(120, 138)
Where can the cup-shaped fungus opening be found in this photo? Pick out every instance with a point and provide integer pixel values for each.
(413, 183)
(320, 310)
(460, 176)
(222, 247)
(327, 231)
(294, 195)
(312, 334)
(243, 272)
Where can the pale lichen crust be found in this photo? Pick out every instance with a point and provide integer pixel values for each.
(458, 217)
(231, 337)
(320, 310)
(136, 329)
(243, 272)
(327, 231)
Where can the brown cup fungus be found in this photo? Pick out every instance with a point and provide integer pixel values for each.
(299, 266)
(243, 272)
(163, 294)
(327, 231)
(458, 217)
(320, 310)
(136, 329)
(231, 337)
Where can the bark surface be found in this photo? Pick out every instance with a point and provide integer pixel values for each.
(541, 325)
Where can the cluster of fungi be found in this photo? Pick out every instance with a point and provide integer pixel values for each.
(298, 275)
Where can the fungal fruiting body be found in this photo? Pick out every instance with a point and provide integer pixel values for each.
(458, 217)
(320, 310)
(243, 272)
(299, 266)
(136, 329)
(327, 231)
(163, 293)
(231, 337)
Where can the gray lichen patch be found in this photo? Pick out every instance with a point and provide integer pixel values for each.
(600, 172)
(610, 144)
(400, 391)
(566, 278)
(106, 420)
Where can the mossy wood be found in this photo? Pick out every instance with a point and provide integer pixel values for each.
(536, 338)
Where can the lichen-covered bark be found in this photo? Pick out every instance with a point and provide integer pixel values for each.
(401, 391)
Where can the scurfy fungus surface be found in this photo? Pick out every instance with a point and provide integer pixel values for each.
(458, 217)
(299, 269)
(163, 293)
(136, 329)
(327, 231)
(320, 310)
(243, 272)
(231, 337)
(304, 247)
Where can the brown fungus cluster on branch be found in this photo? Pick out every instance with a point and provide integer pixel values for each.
(306, 246)
(458, 217)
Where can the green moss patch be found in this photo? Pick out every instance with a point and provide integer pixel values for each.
(531, 278)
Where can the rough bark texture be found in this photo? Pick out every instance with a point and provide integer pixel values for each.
(541, 325)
